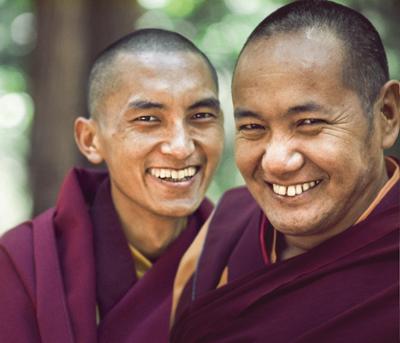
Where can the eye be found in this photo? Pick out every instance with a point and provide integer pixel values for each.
(147, 118)
(250, 127)
(310, 121)
(203, 115)
(251, 131)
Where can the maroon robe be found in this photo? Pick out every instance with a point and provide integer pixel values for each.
(55, 269)
(344, 290)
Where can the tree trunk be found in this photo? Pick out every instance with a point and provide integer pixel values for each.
(70, 35)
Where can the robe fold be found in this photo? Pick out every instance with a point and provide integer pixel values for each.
(58, 267)
(344, 290)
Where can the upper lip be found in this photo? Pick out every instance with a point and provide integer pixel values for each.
(292, 183)
(175, 167)
(293, 189)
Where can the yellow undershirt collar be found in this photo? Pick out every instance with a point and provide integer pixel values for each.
(142, 263)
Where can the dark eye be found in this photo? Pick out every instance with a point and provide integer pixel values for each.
(251, 127)
(202, 115)
(310, 121)
(146, 118)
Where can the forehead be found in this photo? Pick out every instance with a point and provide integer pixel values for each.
(306, 51)
(169, 78)
(158, 69)
(303, 59)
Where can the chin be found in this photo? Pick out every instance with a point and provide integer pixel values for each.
(294, 228)
(179, 211)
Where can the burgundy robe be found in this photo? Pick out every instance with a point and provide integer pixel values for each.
(55, 269)
(344, 290)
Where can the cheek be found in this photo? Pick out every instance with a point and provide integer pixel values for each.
(212, 143)
(246, 156)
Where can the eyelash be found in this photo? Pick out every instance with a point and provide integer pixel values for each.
(148, 118)
(310, 121)
(250, 127)
(202, 115)
(255, 129)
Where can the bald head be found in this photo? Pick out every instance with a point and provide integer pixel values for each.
(106, 70)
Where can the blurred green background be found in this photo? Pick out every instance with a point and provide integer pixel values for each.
(47, 47)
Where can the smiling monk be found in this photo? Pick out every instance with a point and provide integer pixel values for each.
(99, 267)
(309, 251)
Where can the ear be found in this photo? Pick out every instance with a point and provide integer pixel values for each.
(87, 139)
(390, 112)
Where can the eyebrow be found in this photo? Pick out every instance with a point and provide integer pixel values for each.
(144, 105)
(302, 108)
(307, 107)
(208, 102)
(244, 113)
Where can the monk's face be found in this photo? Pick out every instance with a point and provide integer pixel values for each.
(161, 133)
(303, 143)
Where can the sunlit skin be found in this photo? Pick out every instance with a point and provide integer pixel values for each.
(296, 123)
(163, 112)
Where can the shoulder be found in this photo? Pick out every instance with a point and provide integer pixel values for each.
(236, 203)
(17, 239)
(17, 258)
(237, 194)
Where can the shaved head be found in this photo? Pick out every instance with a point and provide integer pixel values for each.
(365, 66)
(105, 71)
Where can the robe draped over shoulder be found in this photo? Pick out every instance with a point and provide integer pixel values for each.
(56, 269)
(344, 290)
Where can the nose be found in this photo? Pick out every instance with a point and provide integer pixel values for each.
(281, 158)
(179, 142)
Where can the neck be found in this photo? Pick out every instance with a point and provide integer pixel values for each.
(152, 236)
(147, 232)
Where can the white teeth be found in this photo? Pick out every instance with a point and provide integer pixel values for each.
(191, 171)
(291, 191)
(177, 175)
(294, 190)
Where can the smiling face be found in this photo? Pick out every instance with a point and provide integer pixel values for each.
(160, 132)
(303, 141)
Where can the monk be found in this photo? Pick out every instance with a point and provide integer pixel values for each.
(309, 251)
(113, 241)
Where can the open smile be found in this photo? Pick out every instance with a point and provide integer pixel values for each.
(174, 175)
(293, 190)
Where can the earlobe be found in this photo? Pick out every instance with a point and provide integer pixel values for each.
(86, 138)
(390, 113)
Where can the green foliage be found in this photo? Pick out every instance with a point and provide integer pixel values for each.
(16, 41)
